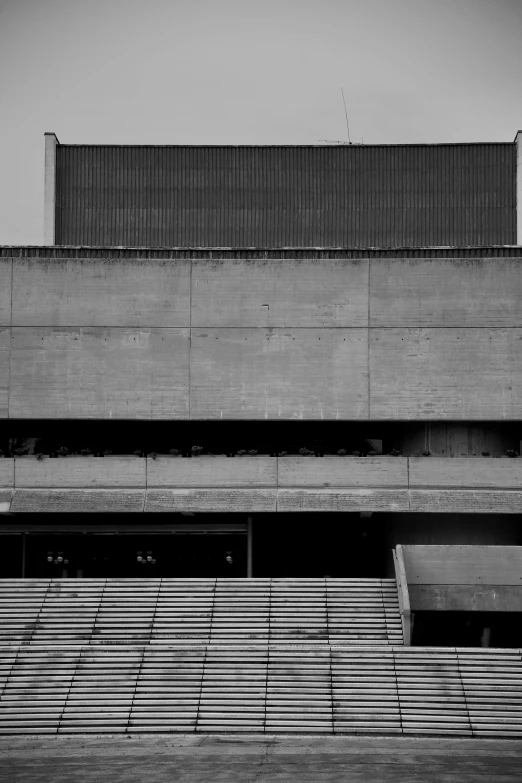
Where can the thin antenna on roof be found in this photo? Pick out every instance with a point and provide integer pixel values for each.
(346, 115)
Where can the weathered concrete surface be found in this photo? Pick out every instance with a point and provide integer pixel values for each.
(51, 143)
(267, 759)
(477, 292)
(445, 373)
(463, 578)
(215, 500)
(308, 293)
(96, 372)
(342, 472)
(5, 291)
(279, 373)
(465, 472)
(100, 292)
(212, 472)
(465, 598)
(6, 472)
(81, 472)
(5, 338)
(52, 501)
(380, 338)
(286, 484)
(335, 500)
(462, 501)
(463, 565)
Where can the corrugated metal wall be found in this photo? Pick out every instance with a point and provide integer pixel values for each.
(351, 196)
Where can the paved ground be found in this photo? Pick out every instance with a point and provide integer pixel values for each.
(255, 759)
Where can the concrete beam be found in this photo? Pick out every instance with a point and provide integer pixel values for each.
(51, 142)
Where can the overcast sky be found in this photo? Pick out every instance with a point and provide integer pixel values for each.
(245, 72)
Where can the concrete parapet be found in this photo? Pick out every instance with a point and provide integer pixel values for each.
(262, 484)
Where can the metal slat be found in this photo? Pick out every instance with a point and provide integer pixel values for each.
(351, 196)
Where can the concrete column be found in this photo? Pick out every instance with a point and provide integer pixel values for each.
(51, 143)
(518, 141)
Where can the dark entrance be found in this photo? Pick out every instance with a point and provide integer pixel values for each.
(308, 545)
(316, 545)
(467, 629)
(138, 556)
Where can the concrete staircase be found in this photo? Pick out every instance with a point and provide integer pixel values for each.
(318, 656)
(199, 611)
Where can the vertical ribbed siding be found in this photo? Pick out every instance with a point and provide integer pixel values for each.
(347, 196)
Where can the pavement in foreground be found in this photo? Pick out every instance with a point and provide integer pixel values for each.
(251, 758)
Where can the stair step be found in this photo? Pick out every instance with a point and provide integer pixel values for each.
(282, 656)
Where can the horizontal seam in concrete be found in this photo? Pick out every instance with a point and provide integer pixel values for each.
(227, 487)
(369, 487)
(466, 488)
(284, 487)
(243, 327)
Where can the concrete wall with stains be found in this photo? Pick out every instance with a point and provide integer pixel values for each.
(391, 337)
(464, 578)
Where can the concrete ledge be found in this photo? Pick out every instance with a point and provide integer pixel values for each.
(215, 500)
(342, 500)
(76, 500)
(287, 484)
(466, 501)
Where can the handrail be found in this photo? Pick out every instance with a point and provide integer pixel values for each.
(402, 589)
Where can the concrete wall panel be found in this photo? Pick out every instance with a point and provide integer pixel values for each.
(463, 565)
(81, 472)
(5, 347)
(286, 338)
(101, 292)
(462, 472)
(311, 293)
(279, 374)
(465, 598)
(445, 292)
(6, 472)
(445, 373)
(5, 291)
(212, 472)
(343, 472)
(99, 373)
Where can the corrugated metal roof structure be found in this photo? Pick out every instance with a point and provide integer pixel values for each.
(337, 196)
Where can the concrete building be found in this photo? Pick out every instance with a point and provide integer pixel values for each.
(270, 364)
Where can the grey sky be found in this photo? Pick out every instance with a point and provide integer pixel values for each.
(243, 72)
